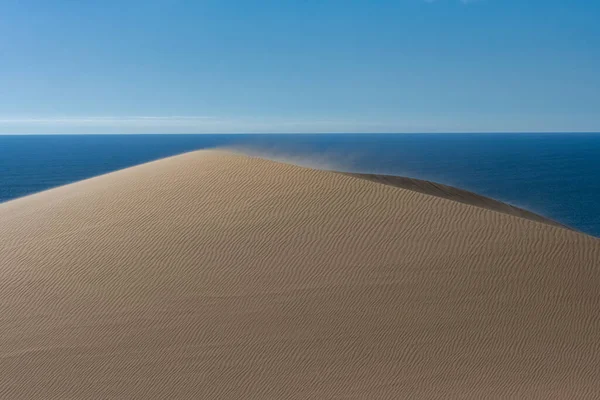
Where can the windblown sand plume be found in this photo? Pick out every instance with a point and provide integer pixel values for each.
(214, 275)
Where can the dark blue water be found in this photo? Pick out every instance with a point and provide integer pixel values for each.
(556, 175)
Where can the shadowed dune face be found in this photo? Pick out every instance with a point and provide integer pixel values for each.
(213, 275)
(455, 194)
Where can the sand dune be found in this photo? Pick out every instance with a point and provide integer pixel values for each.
(455, 194)
(214, 275)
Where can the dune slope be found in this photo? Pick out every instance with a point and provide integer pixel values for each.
(455, 194)
(214, 275)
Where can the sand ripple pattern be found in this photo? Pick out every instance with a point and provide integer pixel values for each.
(212, 275)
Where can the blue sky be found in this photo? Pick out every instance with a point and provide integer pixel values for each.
(162, 66)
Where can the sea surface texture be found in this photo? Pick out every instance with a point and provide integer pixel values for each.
(555, 175)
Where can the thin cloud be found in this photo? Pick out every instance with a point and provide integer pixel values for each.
(410, 123)
(172, 124)
(106, 120)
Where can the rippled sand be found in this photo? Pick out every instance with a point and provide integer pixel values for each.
(215, 275)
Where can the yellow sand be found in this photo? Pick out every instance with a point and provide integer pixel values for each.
(212, 276)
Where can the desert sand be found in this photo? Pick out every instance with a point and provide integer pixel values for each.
(212, 275)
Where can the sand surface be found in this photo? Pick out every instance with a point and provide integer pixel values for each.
(218, 276)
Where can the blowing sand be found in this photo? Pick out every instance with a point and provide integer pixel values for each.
(214, 275)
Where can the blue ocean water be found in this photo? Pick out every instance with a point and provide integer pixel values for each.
(556, 175)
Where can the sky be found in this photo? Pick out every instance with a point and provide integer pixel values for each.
(204, 66)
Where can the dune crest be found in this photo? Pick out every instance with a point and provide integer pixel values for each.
(455, 194)
(215, 275)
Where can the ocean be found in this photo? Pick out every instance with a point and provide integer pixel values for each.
(555, 175)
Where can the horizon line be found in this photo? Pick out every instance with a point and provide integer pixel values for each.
(309, 133)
